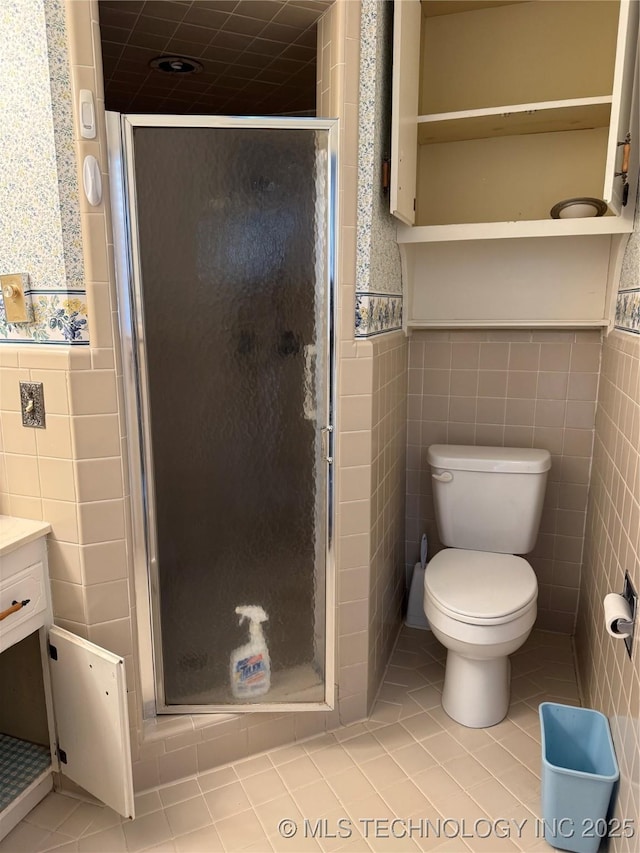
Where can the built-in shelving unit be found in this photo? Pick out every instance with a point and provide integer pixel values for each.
(500, 111)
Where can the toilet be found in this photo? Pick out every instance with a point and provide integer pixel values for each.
(479, 598)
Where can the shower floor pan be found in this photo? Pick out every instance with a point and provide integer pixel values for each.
(296, 684)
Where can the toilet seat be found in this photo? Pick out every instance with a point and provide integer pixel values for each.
(480, 587)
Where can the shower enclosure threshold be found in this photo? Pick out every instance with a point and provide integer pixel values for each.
(296, 684)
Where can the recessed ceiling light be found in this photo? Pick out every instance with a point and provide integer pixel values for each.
(176, 65)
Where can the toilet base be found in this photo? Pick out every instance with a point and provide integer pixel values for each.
(476, 692)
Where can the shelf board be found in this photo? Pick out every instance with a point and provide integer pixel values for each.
(515, 119)
(501, 230)
(506, 324)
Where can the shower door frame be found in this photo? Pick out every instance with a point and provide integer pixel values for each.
(120, 129)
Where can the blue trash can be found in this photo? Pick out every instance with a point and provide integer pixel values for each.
(579, 770)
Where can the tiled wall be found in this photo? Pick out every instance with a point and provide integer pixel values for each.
(518, 388)
(389, 436)
(610, 680)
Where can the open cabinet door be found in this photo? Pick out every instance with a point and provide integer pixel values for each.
(91, 718)
(624, 80)
(407, 16)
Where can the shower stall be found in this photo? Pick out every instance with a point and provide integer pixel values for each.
(225, 255)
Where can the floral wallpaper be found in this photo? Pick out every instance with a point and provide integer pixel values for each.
(39, 200)
(628, 302)
(378, 278)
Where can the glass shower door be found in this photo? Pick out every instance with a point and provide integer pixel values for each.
(230, 231)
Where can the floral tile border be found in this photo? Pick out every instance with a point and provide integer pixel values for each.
(628, 311)
(58, 318)
(376, 314)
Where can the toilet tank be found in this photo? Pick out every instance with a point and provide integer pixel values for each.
(488, 498)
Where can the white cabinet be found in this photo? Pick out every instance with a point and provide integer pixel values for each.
(503, 109)
(81, 686)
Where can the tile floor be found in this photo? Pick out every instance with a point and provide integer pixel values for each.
(479, 789)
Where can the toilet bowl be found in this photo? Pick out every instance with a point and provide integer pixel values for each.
(480, 599)
(481, 606)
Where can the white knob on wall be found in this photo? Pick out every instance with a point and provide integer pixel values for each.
(92, 180)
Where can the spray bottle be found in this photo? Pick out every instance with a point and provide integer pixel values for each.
(250, 665)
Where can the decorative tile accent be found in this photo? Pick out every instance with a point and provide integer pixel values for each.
(59, 318)
(38, 183)
(628, 300)
(378, 278)
(628, 311)
(376, 314)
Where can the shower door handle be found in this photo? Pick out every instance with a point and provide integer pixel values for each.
(326, 431)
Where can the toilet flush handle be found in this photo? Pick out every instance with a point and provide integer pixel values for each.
(445, 477)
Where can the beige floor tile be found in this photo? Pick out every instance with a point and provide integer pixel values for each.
(178, 793)
(336, 828)
(443, 747)
(405, 798)
(69, 847)
(227, 801)
(188, 815)
(270, 814)
(383, 771)
(494, 799)
(150, 802)
(251, 766)
(466, 771)
(87, 818)
(413, 759)
(393, 737)
(316, 800)
(52, 811)
(385, 712)
(54, 840)
(438, 787)
(146, 831)
(216, 779)
(111, 839)
(363, 812)
(363, 748)
(240, 830)
(352, 730)
(408, 761)
(522, 783)
(351, 785)
(427, 697)
(301, 771)
(332, 760)
(264, 787)
(421, 725)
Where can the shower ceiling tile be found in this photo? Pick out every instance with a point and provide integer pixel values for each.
(258, 55)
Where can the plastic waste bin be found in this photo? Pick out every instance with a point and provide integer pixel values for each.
(579, 770)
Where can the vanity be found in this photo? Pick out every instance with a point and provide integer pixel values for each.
(63, 700)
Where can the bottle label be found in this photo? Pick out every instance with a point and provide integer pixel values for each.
(251, 671)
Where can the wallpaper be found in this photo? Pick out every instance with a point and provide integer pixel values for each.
(378, 279)
(40, 222)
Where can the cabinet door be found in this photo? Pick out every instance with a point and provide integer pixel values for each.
(404, 110)
(623, 84)
(91, 718)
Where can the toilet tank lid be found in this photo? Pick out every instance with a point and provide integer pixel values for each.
(509, 460)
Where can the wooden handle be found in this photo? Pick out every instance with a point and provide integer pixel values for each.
(626, 152)
(15, 606)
